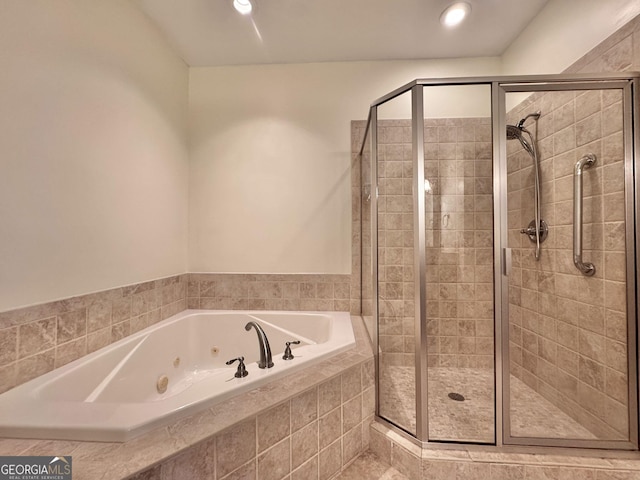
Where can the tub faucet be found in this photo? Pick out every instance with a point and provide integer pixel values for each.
(265, 350)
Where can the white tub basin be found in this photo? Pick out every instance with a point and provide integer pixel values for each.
(112, 394)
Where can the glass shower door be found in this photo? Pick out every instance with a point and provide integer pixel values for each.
(569, 372)
(458, 198)
(395, 286)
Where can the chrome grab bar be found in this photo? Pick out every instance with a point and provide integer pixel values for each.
(586, 161)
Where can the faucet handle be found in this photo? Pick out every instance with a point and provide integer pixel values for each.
(242, 370)
(287, 351)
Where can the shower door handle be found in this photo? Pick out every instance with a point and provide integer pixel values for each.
(506, 261)
(585, 268)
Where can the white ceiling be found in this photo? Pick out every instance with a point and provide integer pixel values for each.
(211, 32)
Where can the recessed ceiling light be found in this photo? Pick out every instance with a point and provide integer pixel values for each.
(243, 6)
(455, 14)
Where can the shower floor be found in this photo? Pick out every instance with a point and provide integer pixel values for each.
(471, 420)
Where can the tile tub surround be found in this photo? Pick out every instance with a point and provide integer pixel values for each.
(247, 291)
(34, 340)
(316, 422)
(37, 339)
(489, 463)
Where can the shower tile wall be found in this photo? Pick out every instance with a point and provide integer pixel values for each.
(567, 331)
(395, 244)
(459, 242)
(458, 238)
(361, 223)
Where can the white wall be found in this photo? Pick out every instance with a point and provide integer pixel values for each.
(563, 32)
(93, 160)
(269, 151)
(93, 154)
(270, 159)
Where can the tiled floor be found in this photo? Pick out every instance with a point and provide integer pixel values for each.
(472, 419)
(368, 467)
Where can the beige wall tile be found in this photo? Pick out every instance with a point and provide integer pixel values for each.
(274, 464)
(98, 315)
(71, 325)
(35, 365)
(8, 377)
(616, 475)
(617, 355)
(351, 445)
(235, 447)
(443, 469)
(351, 413)
(304, 444)
(308, 471)
(351, 382)
(304, 409)
(119, 331)
(196, 463)
(507, 472)
(8, 345)
(36, 336)
(330, 427)
(70, 351)
(245, 472)
(273, 426)
(329, 395)
(98, 339)
(120, 309)
(330, 460)
(617, 386)
(617, 416)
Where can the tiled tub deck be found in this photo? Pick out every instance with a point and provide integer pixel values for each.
(308, 425)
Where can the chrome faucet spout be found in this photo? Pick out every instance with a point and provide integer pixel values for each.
(265, 349)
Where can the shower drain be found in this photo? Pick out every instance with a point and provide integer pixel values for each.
(456, 396)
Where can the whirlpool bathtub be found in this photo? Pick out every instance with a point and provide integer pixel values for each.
(167, 371)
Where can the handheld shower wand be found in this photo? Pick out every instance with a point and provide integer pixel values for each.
(538, 231)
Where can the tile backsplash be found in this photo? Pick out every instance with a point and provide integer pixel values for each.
(317, 292)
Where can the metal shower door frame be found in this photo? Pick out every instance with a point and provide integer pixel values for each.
(630, 85)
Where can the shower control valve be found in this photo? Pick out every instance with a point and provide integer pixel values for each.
(242, 370)
(287, 351)
(530, 231)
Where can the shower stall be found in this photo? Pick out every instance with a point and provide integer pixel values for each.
(499, 259)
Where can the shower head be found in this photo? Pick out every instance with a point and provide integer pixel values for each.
(513, 132)
(516, 132)
(535, 115)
